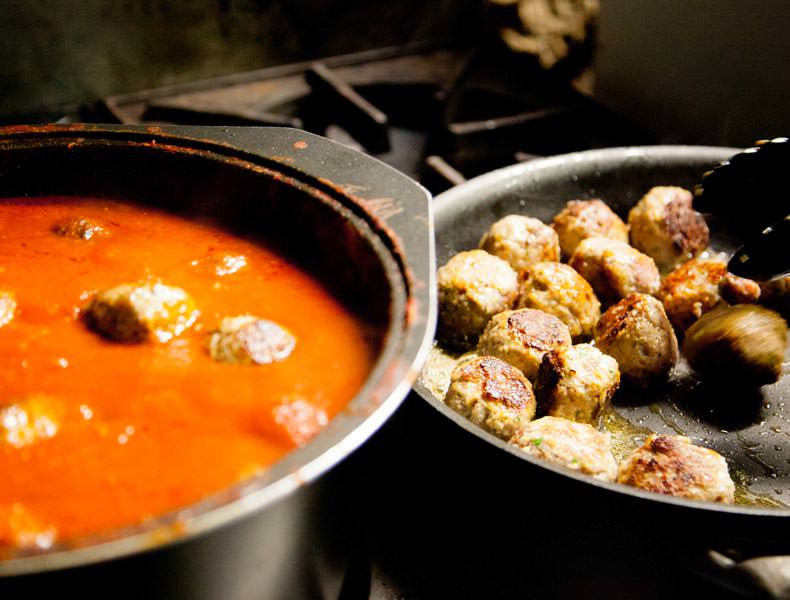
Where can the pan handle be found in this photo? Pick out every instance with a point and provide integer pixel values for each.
(761, 577)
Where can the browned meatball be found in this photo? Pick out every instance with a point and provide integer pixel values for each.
(80, 228)
(576, 383)
(746, 342)
(559, 290)
(697, 286)
(248, 340)
(582, 219)
(577, 446)
(673, 465)
(521, 337)
(491, 394)
(665, 226)
(139, 312)
(473, 287)
(521, 241)
(615, 269)
(7, 307)
(638, 334)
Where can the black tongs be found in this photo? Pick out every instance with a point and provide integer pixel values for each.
(752, 187)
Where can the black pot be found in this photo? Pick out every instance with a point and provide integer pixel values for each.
(361, 227)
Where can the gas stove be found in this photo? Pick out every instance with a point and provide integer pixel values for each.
(440, 115)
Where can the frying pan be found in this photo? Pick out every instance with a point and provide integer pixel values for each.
(750, 428)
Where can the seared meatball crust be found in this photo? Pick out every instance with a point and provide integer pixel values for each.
(664, 226)
(582, 219)
(521, 338)
(578, 446)
(673, 465)
(638, 335)
(559, 290)
(615, 269)
(576, 383)
(491, 394)
(473, 287)
(697, 286)
(521, 241)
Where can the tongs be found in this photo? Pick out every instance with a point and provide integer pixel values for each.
(751, 188)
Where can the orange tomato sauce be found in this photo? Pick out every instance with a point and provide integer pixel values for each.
(128, 431)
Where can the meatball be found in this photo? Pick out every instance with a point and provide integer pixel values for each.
(521, 241)
(746, 342)
(615, 269)
(576, 383)
(638, 334)
(559, 290)
(27, 420)
(139, 312)
(491, 394)
(521, 338)
(578, 446)
(473, 287)
(248, 340)
(293, 421)
(80, 228)
(7, 307)
(582, 219)
(697, 286)
(673, 465)
(665, 226)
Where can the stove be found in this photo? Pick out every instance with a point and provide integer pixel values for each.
(440, 115)
(431, 512)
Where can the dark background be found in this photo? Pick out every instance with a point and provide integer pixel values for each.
(700, 71)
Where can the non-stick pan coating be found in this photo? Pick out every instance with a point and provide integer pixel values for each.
(751, 428)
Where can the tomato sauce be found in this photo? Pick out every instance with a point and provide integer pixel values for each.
(96, 434)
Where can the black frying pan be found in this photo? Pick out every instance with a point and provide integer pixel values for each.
(751, 428)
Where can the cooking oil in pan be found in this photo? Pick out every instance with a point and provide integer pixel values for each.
(626, 434)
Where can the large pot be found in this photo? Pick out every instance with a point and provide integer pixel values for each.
(361, 227)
